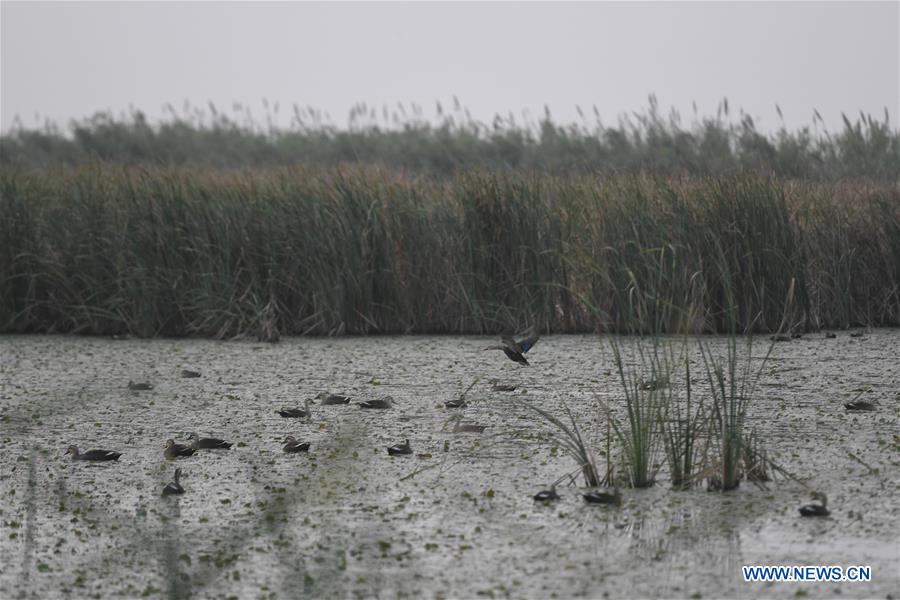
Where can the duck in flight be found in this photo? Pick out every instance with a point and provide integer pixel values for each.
(515, 347)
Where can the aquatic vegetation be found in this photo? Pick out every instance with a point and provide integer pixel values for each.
(732, 380)
(684, 425)
(755, 457)
(638, 433)
(569, 438)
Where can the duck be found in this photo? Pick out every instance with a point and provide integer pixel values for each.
(857, 334)
(198, 443)
(456, 403)
(816, 510)
(780, 338)
(328, 399)
(460, 427)
(503, 387)
(516, 346)
(174, 450)
(188, 374)
(399, 449)
(296, 413)
(139, 386)
(830, 335)
(547, 495)
(859, 406)
(291, 445)
(93, 455)
(174, 487)
(598, 497)
(386, 402)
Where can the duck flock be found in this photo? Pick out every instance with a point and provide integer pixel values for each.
(514, 347)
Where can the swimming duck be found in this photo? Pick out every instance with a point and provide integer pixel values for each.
(859, 405)
(547, 495)
(456, 403)
(291, 445)
(515, 347)
(386, 402)
(503, 387)
(830, 335)
(598, 497)
(188, 374)
(174, 450)
(460, 427)
(297, 413)
(397, 449)
(329, 399)
(140, 386)
(93, 455)
(856, 334)
(198, 443)
(174, 487)
(816, 510)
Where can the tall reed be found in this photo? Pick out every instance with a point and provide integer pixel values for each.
(451, 140)
(270, 252)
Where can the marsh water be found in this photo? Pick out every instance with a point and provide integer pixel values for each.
(456, 518)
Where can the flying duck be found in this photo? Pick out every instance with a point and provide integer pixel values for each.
(515, 347)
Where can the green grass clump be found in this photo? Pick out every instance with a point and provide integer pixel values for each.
(323, 251)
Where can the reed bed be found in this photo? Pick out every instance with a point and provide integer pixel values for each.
(106, 249)
(449, 141)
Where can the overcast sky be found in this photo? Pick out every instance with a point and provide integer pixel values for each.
(65, 60)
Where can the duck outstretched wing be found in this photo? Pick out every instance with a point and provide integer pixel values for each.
(527, 339)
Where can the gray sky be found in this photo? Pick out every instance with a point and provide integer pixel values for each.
(65, 60)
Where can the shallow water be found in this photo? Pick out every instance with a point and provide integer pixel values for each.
(454, 520)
